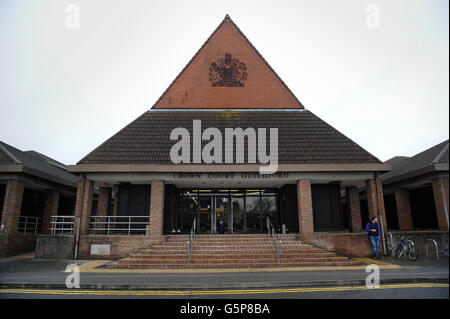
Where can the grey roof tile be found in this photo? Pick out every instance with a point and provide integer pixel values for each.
(303, 137)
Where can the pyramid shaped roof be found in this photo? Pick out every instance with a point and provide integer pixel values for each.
(227, 72)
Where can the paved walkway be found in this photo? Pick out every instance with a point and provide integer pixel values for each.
(27, 272)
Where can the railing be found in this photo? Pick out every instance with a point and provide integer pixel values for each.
(29, 224)
(119, 225)
(190, 241)
(62, 225)
(275, 239)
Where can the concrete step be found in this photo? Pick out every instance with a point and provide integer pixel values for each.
(195, 252)
(231, 251)
(242, 265)
(231, 256)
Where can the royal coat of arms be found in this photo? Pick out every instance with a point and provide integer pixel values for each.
(227, 72)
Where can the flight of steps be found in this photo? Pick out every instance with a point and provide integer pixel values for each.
(231, 251)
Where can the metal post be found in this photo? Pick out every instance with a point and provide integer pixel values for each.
(383, 235)
(77, 237)
(445, 201)
(435, 245)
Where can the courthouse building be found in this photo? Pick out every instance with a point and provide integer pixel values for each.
(227, 84)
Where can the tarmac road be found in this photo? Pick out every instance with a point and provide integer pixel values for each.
(394, 291)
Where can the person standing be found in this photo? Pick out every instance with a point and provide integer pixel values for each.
(373, 229)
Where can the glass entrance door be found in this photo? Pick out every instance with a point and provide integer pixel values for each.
(228, 211)
(223, 216)
(205, 214)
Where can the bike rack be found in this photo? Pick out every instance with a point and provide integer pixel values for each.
(435, 245)
(392, 245)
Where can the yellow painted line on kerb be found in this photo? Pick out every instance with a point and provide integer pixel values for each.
(214, 292)
(92, 267)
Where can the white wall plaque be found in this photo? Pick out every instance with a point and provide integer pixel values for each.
(100, 249)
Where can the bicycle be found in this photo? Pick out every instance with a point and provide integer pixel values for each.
(445, 251)
(407, 246)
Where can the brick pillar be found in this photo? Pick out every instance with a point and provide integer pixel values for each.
(79, 197)
(116, 196)
(305, 210)
(11, 207)
(381, 202)
(375, 202)
(354, 208)
(83, 205)
(372, 203)
(403, 209)
(156, 208)
(50, 209)
(440, 191)
(104, 196)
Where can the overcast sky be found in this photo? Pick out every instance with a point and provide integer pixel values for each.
(65, 90)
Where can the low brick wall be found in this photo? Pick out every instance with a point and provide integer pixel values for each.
(17, 244)
(350, 244)
(57, 247)
(419, 238)
(120, 246)
(358, 244)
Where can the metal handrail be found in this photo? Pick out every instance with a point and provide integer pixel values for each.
(29, 224)
(275, 239)
(435, 245)
(108, 224)
(191, 240)
(62, 224)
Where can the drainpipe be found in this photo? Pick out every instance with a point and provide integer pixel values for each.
(77, 220)
(445, 202)
(383, 235)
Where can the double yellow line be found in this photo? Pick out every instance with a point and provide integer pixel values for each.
(212, 292)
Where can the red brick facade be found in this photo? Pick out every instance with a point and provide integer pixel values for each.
(305, 209)
(262, 89)
(405, 221)
(156, 208)
(121, 246)
(440, 191)
(354, 208)
(353, 244)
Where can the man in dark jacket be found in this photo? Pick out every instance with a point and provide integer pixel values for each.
(373, 229)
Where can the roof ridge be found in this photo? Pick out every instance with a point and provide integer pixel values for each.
(441, 153)
(46, 159)
(9, 154)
